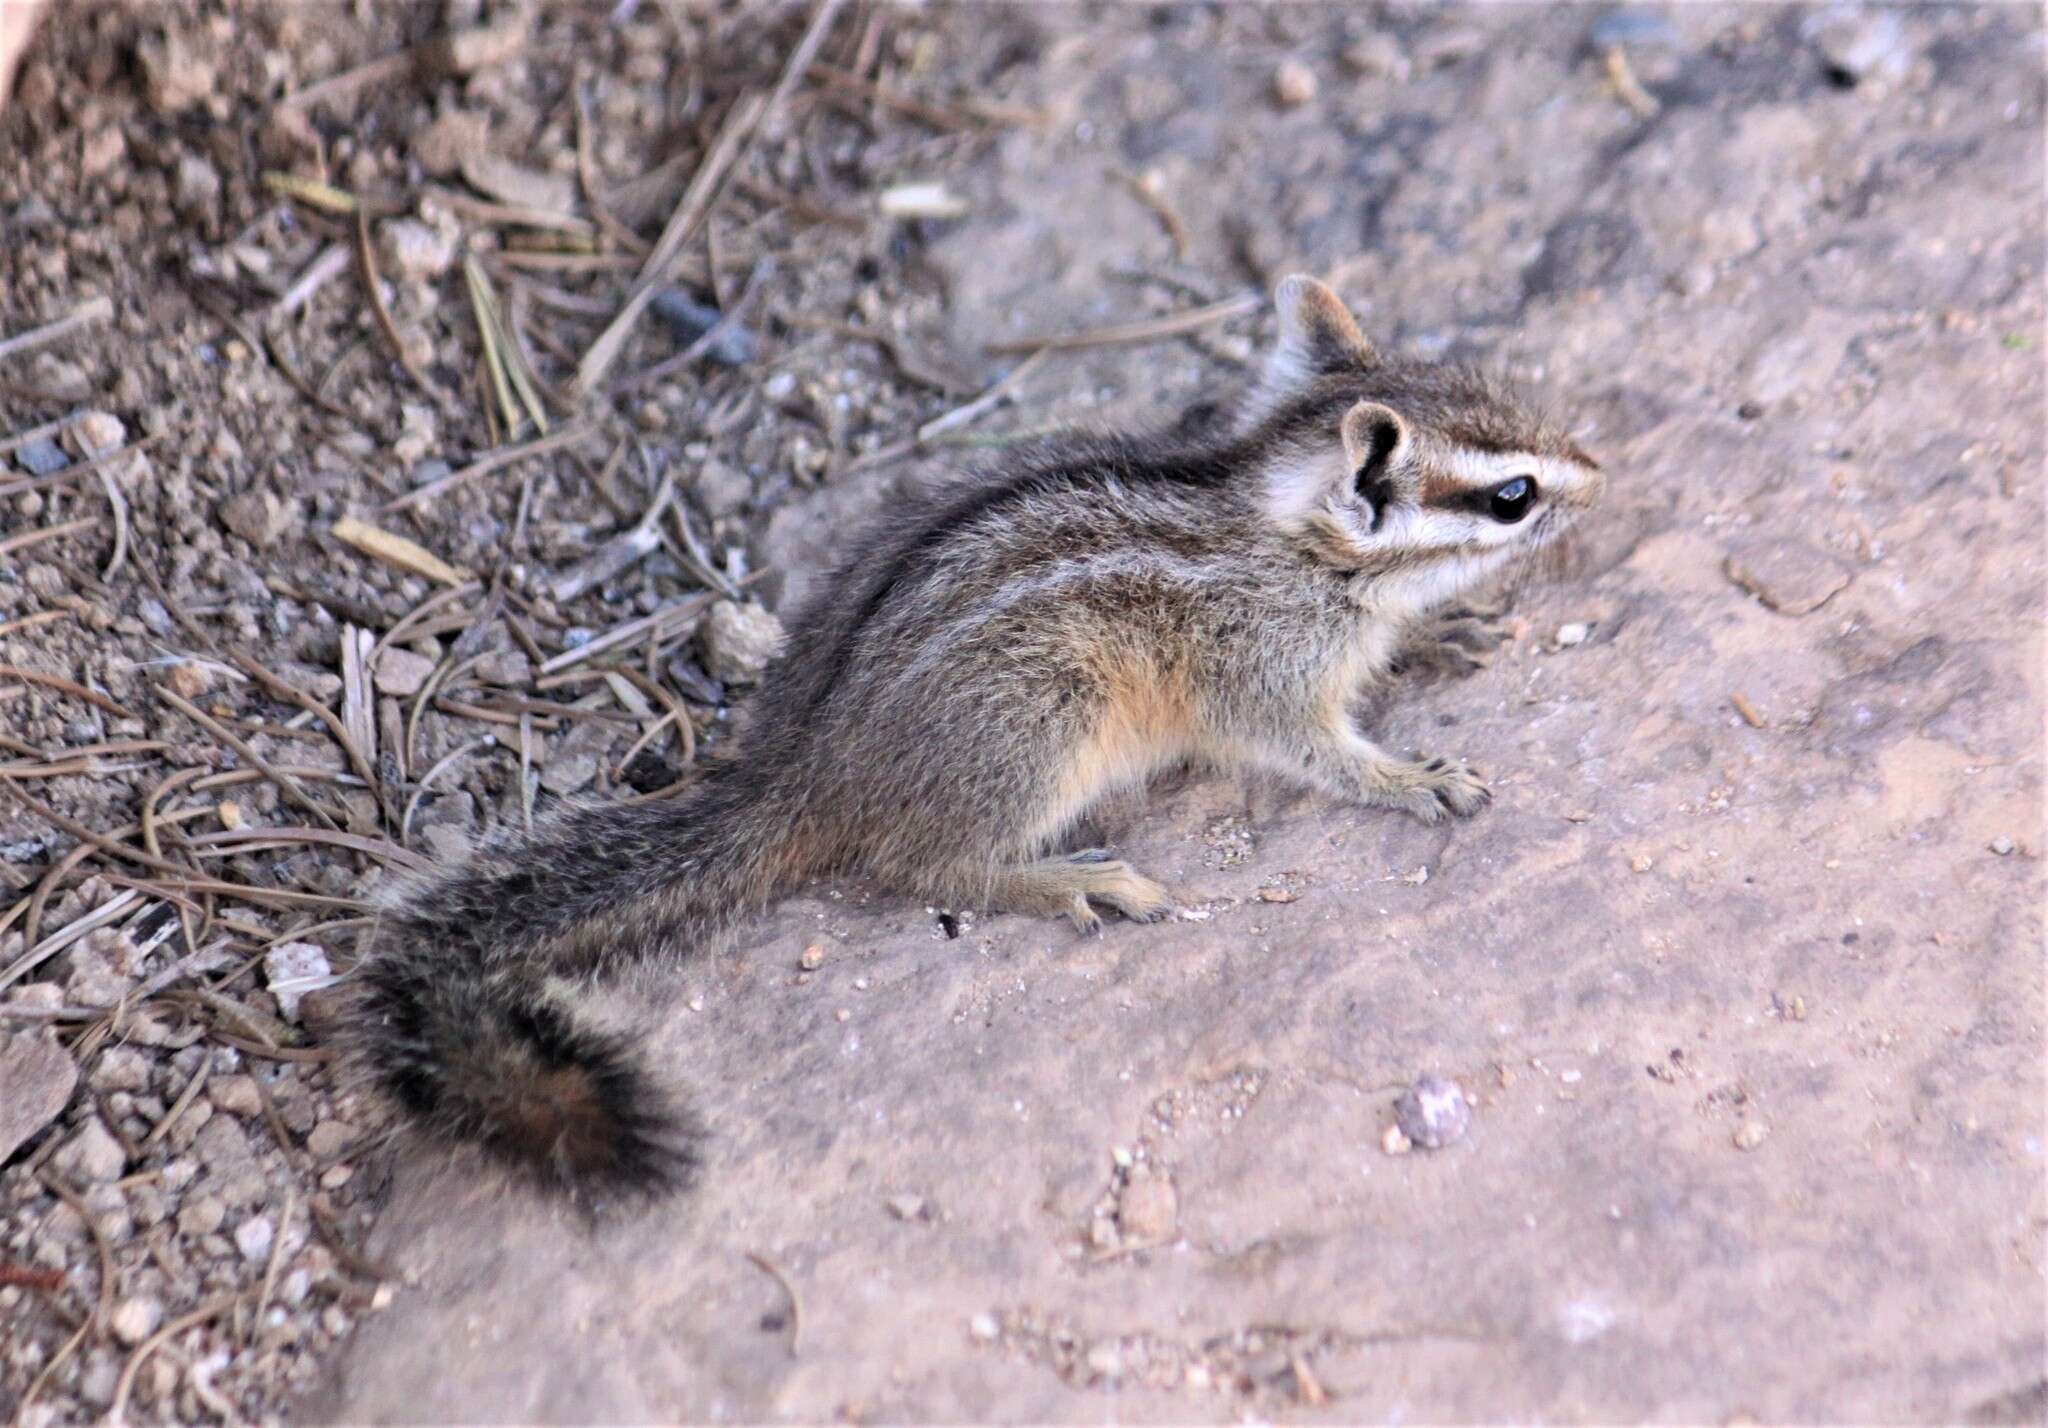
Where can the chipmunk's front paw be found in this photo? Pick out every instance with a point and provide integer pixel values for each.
(1458, 641)
(1433, 789)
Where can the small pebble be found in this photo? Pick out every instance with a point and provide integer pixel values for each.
(235, 1094)
(42, 457)
(1294, 84)
(417, 251)
(1379, 55)
(739, 641)
(188, 679)
(135, 1319)
(1149, 1211)
(689, 320)
(201, 1217)
(253, 1237)
(1857, 44)
(91, 1155)
(331, 1138)
(291, 969)
(401, 672)
(98, 432)
(1631, 27)
(1433, 1112)
(38, 1076)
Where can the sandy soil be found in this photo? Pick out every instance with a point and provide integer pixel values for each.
(1741, 974)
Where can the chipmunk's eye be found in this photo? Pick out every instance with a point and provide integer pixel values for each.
(1511, 500)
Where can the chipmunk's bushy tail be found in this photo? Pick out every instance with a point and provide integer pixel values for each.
(462, 1016)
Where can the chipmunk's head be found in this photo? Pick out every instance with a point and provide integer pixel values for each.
(1426, 473)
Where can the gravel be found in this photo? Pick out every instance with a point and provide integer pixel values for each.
(38, 1075)
(1433, 1112)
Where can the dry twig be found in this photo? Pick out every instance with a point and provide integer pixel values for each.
(99, 309)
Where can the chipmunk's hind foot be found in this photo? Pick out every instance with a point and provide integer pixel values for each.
(1459, 641)
(1069, 886)
(1431, 789)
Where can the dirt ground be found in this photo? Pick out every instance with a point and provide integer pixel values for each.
(1740, 975)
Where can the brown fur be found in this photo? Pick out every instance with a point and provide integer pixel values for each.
(980, 673)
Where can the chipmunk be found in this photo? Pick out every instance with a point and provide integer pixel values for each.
(983, 669)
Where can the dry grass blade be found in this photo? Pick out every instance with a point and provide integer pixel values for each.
(407, 555)
(366, 256)
(485, 465)
(112, 910)
(515, 215)
(359, 726)
(412, 804)
(37, 537)
(1155, 329)
(690, 211)
(1150, 191)
(959, 417)
(349, 81)
(503, 342)
(663, 623)
(48, 430)
(1627, 88)
(246, 840)
(768, 1267)
(120, 504)
(77, 469)
(104, 1307)
(727, 319)
(491, 337)
(98, 310)
(64, 1352)
(243, 892)
(178, 1107)
(67, 686)
(319, 273)
(358, 758)
(277, 1243)
(125, 1385)
(286, 784)
(311, 192)
(586, 175)
(964, 114)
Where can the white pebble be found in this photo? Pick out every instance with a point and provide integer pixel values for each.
(253, 1237)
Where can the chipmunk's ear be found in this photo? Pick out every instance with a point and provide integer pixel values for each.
(1376, 451)
(1317, 332)
(1317, 335)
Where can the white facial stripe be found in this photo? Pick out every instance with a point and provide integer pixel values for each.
(1301, 485)
(1483, 470)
